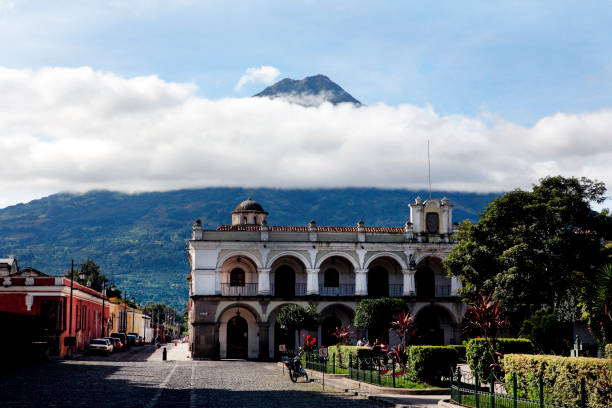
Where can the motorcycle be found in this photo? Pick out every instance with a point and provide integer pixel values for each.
(295, 368)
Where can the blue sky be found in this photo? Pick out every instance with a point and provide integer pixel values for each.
(518, 60)
(154, 95)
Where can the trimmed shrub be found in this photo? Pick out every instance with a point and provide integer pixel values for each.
(480, 355)
(608, 351)
(461, 349)
(342, 353)
(561, 378)
(429, 363)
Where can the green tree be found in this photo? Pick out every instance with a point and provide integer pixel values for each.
(376, 315)
(93, 278)
(538, 247)
(295, 317)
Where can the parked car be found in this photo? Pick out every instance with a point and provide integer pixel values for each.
(100, 346)
(123, 338)
(131, 339)
(138, 341)
(117, 345)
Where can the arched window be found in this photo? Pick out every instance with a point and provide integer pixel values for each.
(244, 220)
(237, 277)
(432, 223)
(332, 278)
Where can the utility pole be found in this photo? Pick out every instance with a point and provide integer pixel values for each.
(71, 286)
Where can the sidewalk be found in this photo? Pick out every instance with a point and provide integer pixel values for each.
(180, 352)
(373, 393)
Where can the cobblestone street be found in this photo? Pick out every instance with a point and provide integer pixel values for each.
(138, 378)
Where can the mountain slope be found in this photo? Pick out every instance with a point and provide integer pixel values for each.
(138, 239)
(309, 91)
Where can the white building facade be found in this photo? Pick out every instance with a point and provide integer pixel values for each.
(243, 273)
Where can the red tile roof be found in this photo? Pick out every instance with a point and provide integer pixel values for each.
(288, 228)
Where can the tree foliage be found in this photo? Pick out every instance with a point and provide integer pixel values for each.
(376, 315)
(296, 317)
(534, 247)
(93, 278)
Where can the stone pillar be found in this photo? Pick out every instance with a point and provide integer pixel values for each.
(263, 281)
(455, 286)
(312, 282)
(264, 343)
(218, 281)
(361, 282)
(409, 287)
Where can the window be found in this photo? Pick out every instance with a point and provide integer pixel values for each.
(432, 223)
(244, 220)
(237, 277)
(78, 316)
(84, 317)
(332, 278)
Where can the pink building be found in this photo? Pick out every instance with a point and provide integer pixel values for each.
(35, 312)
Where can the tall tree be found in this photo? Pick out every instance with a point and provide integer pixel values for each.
(539, 247)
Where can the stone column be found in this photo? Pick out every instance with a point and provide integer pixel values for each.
(409, 287)
(263, 281)
(264, 343)
(455, 286)
(361, 282)
(312, 282)
(218, 281)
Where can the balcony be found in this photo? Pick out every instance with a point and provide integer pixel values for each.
(299, 290)
(345, 289)
(249, 289)
(396, 290)
(443, 290)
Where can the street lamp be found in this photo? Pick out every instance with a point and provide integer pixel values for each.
(103, 296)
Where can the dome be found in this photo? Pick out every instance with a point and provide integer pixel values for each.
(248, 206)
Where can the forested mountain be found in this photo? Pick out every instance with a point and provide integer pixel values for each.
(139, 239)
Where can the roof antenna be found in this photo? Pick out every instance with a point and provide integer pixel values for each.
(429, 168)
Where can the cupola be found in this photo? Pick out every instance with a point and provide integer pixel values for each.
(249, 212)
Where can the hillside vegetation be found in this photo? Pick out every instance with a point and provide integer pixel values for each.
(139, 239)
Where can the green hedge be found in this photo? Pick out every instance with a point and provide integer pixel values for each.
(608, 351)
(480, 356)
(426, 364)
(561, 378)
(461, 350)
(342, 353)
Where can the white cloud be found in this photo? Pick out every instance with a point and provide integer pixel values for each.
(265, 74)
(75, 129)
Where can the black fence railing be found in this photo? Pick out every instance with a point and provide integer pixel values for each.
(468, 389)
(344, 289)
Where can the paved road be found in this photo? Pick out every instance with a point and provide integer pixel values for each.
(139, 379)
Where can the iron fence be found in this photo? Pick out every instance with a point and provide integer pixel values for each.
(344, 289)
(468, 389)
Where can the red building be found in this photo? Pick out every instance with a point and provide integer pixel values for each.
(35, 313)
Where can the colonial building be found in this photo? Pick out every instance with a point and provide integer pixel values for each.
(243, 273)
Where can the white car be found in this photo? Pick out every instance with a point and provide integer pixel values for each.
(100, 346)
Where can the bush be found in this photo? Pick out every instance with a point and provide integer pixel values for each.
(342, 353)
(608, 351)
(561, 378)
(461, 349)
(480, 356)
(428, 363)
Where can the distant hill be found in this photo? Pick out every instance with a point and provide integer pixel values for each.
(138, 239)
(309, 91)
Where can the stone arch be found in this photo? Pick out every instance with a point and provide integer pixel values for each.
(249, 284)
(385, 278)
(288, 276)
(339, 254)
(252, 318)
(421, 257)
(396, 257)
(346, 282)
(290, 340)
(305, 261)
(435, 325)
(251, 257)
(254, 312)
(330, 315)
